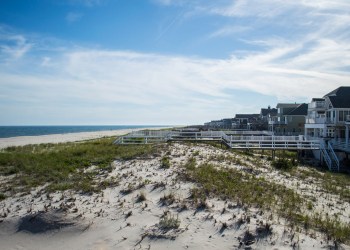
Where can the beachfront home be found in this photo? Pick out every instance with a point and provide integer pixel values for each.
(225, 123)
(266, 113)
(329, 117)
(290, 119)
(246, 121)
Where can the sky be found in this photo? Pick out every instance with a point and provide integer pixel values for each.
(166, 62)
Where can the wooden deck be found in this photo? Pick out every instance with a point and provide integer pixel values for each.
(233, 139)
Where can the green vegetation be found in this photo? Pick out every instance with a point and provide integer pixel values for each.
(284, 164)
(2, 196)
(169, 222)
(334, 183)
(249, 190)
(165, 162)
(65, 165)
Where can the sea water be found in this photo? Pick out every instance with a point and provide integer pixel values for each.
(13, 131)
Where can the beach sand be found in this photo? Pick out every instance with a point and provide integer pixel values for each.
(118, 218)
(69, 137)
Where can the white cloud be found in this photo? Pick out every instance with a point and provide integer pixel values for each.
(229, 30)
(72, 17)
(131, 87)
(14, 46)
(171, 88)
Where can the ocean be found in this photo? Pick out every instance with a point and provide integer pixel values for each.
(14, 131)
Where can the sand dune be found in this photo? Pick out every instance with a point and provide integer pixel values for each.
(129, 214)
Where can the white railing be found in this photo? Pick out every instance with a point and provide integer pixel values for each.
(318, 104)
(333, 156)
(233, 140)
(317, 120)
(325, 155)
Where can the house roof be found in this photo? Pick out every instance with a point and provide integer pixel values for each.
(247, 115)
(300, 110)
(317, 99)
(287, 105)
(265, 112)
(340, 97)
(343, 91)
(340, 102)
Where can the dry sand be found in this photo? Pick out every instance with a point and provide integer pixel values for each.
(58, 138)
(118, 219)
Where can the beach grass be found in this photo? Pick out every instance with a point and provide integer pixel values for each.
(63, 165)
(249, 190)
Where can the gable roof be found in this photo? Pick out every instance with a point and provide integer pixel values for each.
(340, 97)
(265, 112)
(340, 102)
(341, 91)
(300, 110)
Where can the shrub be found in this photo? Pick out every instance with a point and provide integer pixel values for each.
(282, 164)
(169, 222)
(2, 196)
(165, 162)
(190, 164)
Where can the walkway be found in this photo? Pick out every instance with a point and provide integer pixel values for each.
(233, 139)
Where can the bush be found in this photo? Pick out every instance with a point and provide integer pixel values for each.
(165, 162)
(2, 196)
(282, 164)
(169, 222)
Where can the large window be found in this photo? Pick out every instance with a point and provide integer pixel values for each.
(343, 114)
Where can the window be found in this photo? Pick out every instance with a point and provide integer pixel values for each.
(341, 116)
(330, 132)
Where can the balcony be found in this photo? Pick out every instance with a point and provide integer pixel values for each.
(317, 120)
(317, 105)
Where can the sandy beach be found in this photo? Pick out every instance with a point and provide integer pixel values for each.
(69, 137)
(130, 213)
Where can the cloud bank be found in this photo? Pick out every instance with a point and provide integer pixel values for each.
(74, 84)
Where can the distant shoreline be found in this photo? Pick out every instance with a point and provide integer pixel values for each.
(30, 130)
(67, 137)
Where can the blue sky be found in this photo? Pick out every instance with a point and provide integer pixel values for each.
(166, 61)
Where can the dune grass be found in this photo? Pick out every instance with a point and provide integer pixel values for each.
(249, 190)
(63, 165)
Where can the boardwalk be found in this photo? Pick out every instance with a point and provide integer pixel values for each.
(233, 139)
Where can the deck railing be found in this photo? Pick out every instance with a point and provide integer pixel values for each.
(231, 138)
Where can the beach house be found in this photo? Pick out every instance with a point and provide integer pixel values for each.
(329, 117)
(290, 119)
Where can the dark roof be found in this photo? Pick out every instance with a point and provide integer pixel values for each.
(265, 112)
(300, 110)
(340, 97)
(247, 115)
(317, 99)
(341, 91)
(340, 102)
(287, 105)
